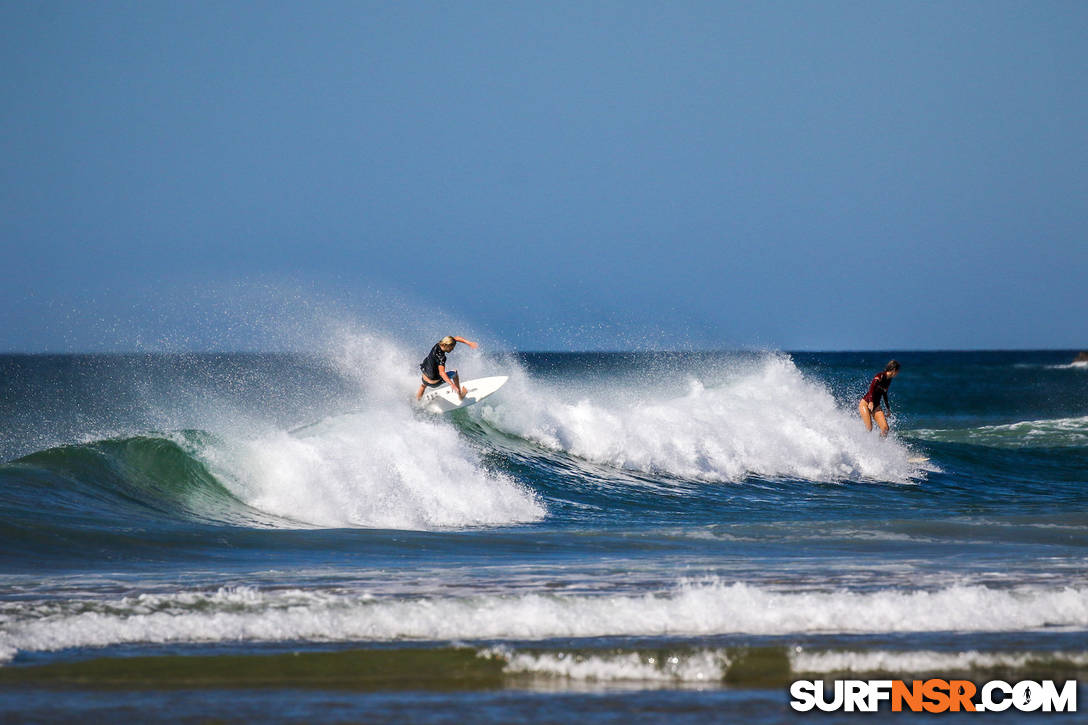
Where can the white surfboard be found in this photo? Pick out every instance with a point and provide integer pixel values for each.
(443, 399)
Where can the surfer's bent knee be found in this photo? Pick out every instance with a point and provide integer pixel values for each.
(866, 415)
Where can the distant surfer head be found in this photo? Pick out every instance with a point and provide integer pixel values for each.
(447, 343)
(892, 368)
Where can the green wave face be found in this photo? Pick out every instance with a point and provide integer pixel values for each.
(126, 478)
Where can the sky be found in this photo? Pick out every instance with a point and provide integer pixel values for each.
(553, 175)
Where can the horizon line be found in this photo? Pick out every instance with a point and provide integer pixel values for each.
(609, 351)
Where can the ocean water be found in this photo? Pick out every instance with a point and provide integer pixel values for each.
(612, 536)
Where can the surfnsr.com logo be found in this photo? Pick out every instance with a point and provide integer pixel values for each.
(933, 696)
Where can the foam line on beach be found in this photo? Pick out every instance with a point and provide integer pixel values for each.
(689, 609)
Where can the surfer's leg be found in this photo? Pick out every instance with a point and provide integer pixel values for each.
(457, 384)
(866, 418)
(881, 421)
(419, 393)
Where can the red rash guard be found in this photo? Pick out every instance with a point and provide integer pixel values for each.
(878, 389)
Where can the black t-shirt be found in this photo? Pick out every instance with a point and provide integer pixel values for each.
(436, 357)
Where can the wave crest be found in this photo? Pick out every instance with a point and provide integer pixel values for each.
(691, 609)
(769, 421)
(376, 469)
(1055, 433)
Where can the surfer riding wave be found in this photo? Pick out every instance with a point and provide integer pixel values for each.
(433, 367)
(869, 406)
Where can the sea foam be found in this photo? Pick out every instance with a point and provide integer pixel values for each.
(1051, 433)
(702, 666)
(384, 466)
(709, 665)
(764, 420)
(690, 609)
(921, 661)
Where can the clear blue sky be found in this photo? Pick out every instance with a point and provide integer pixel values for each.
(799, 175)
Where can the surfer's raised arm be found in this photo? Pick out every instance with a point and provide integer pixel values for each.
(470, 343)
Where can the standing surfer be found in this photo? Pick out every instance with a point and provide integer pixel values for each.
(869, 406)
(434, 370)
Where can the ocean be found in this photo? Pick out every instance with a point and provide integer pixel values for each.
(612, 537)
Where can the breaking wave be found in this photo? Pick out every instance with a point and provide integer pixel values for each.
(690, 609)
(763, 419)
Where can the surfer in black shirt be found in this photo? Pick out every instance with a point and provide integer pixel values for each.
(433, 367)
